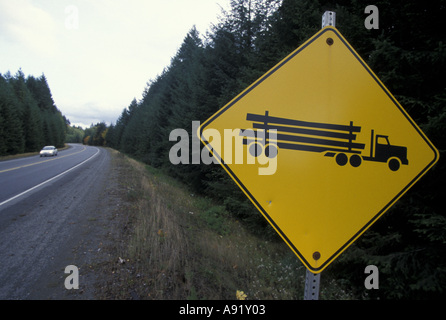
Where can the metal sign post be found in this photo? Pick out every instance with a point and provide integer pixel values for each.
(312, 281)
(329, 19)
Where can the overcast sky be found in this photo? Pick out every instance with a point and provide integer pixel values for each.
(97, 55)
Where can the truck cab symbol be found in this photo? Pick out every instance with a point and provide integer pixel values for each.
(380, 151)
(333, 140)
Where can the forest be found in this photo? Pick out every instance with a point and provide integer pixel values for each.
(29, 119)
(407, 52)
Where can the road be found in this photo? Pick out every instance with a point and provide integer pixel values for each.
(47, 206)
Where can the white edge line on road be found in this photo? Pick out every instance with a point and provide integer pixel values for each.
(49, 180)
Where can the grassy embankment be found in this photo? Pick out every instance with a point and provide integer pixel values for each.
(181, 246)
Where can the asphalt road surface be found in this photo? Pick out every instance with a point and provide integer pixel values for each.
(46, 206)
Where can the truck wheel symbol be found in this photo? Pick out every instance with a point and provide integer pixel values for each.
(394, 164)
(341, 159)
(271, 150)
(255, 149)
(355, 160)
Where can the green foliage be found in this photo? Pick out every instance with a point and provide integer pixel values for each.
(407, 245)
(74, 134)
(215, 219)
(28, 117)
(95, 135)
(408, 53)
(12, 138)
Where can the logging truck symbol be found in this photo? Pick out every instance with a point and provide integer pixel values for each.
(334, 140)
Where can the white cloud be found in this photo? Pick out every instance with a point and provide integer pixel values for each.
(95, 69)
(23, 23)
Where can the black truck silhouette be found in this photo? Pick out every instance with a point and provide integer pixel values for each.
(334, 140)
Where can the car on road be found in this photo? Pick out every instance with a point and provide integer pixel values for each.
(48, 151)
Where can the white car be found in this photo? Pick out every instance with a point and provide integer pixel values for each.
(48, 151)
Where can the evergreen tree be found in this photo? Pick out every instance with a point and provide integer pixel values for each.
(408, 243)
(132, 135)
(99, 135)
(407, 52)
(28, 114)
(121, 123)
(13, 139)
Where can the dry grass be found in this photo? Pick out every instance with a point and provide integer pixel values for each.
(181, 246)
(158, 244)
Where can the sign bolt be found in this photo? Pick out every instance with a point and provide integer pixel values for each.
(330, 41)
(316, 255)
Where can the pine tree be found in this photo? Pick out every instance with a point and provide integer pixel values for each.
(13, 139)
(408, 243)
(52, 125)
(408, 53)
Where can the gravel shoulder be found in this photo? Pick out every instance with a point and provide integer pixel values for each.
(96, 249)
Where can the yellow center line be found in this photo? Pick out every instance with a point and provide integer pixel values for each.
(40, 162)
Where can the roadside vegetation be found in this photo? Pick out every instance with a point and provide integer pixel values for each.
(407, 53)
(177, 245)
(29, 118)
(194, 234)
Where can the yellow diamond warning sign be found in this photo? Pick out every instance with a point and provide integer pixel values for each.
(320, 146)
